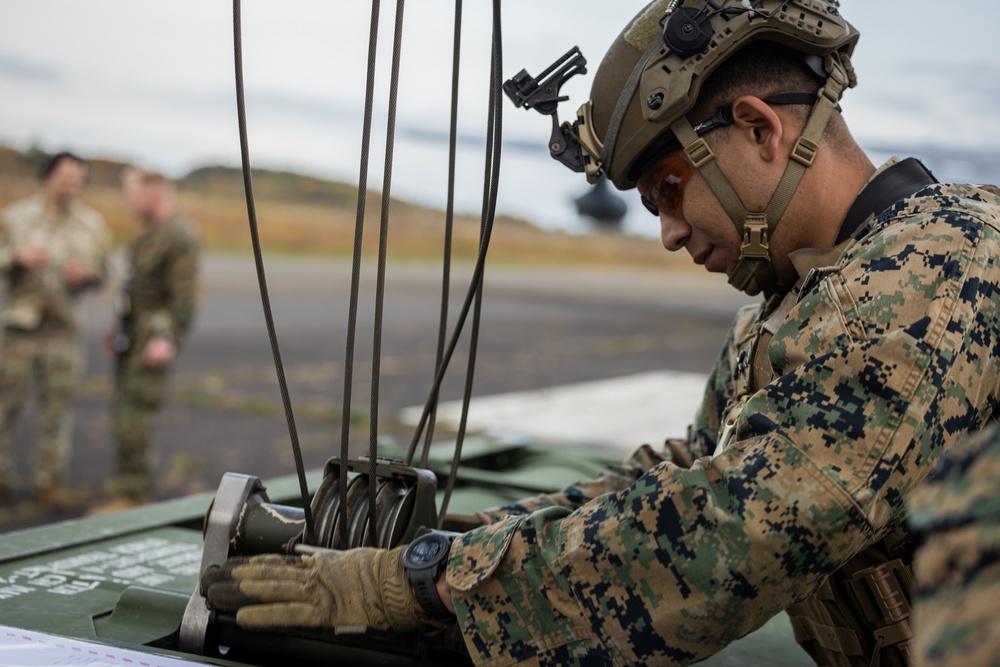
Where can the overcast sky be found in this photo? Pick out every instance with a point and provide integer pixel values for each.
(152, 82)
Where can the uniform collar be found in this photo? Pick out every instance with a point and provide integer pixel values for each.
(896, 179)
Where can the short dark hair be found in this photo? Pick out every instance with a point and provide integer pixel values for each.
(761, 69)
(50, 164)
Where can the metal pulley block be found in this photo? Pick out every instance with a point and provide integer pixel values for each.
(404, 502)
(242, 521)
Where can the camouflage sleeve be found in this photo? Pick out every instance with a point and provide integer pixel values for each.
(6, 247)
(883, 363)
(700, 441)
(14, 218)
(575, 495)
(180, 289)
(956, 517)
(183, 287)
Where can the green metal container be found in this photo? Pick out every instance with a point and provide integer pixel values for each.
(114, 588)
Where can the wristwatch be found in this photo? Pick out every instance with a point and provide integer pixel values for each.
(423, 561)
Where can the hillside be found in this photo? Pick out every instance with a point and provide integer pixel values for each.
(303, 214)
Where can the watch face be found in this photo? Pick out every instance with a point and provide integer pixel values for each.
(425, 551)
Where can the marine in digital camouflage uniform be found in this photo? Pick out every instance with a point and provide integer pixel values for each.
(956, 515)
(874, 350)
(874, 379)
(160, 298)
(52, 249)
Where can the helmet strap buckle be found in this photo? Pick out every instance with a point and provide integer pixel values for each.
(755, 238)
(699, 153)
(804, 151)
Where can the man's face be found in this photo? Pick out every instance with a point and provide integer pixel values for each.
(138, 196)
(697, 222)
(65, 182)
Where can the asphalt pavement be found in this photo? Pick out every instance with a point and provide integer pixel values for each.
(539, 327)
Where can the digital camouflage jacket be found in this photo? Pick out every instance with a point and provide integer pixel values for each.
(161, 290)
(40, 298)
(886, 357)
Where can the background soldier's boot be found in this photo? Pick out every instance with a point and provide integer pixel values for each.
(7, 486)
(117, 505)
(55, 497)
(126, 491)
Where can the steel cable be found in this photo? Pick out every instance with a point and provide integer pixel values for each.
(390, 141)
(449, 220)
(494, 135)
(340, 538)
(259, 262)
(474, 294)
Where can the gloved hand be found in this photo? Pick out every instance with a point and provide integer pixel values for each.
(348, 591)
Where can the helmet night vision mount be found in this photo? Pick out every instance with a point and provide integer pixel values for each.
(652, 76)
(541, 93)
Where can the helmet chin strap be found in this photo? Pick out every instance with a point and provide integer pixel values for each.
(757, 227)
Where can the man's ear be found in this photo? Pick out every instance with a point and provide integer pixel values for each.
(758, 122)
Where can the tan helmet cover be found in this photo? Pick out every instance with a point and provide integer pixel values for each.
(655, 86)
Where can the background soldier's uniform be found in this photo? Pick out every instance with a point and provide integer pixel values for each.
(160, 299)
(40, 329)
(883, 355)
(956, 513)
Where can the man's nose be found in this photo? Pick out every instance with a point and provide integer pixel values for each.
(674, 232)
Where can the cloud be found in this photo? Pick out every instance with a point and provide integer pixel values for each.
(929, 85)
(19, 68)
(285, 104)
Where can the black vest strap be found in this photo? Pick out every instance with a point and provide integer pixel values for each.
(897, 182)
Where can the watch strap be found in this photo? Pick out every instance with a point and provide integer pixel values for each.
(424, 580)
(425, 591)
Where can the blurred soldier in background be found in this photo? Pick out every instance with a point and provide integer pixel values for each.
(52, 248)
(155, 313)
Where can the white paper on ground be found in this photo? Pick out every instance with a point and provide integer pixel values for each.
(28, 648)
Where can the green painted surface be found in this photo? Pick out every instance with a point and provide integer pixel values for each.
(123, 580)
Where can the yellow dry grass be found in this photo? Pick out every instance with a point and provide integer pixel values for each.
(415, 233)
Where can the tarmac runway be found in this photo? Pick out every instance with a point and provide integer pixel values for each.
(540, 327)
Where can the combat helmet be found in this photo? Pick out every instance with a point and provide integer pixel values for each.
(651, 77)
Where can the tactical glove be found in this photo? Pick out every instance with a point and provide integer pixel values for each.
(348, 591)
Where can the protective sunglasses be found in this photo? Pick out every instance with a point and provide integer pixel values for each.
(665, 179)
(664, 184)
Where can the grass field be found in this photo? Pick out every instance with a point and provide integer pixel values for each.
(297, 220)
